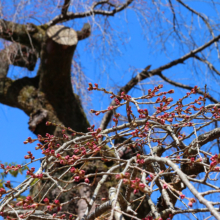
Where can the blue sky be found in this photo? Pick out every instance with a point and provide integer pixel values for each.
(132, 53)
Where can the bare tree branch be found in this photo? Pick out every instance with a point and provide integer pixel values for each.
(69, 15)
(174, 15)
(99, 210)
(211, 67)
(205, 21)
(65, 7)
(185, 57)
(205, 138)
(185, 87)
(37, 215)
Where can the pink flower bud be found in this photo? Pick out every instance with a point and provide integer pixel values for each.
(190, 204)
(77, 178)
(182, 196)
(87, 180)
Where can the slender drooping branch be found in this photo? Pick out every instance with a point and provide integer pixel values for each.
(205, 20)
(185, 87)
(184, 57)
(70, 15)
(210, 65)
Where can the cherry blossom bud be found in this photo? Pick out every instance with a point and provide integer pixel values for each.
(87, 180)
(190, 204)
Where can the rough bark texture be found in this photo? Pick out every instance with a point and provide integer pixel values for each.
(49, 95)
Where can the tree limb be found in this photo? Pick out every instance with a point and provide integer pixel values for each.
(205, 20)
(17, 55)
(69, 15)
(12, 90)
(65, 7)
(185, 87)
(37, 215)
(29, 35)
(204, 139)
(185, 57)
(211, 67)
(99, 210)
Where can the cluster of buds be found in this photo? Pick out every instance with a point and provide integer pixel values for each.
(151, 93)
(90, 88)
(12, 168)
(121, 175)
(91, 128)
(51, 206)
(161, 108)
(93, 146)
(125, 96)
(150, 177)
(29, 140)
(194, 90)
(187, 111)
(116, 118)
(96, 134)
(166, 116)
(139, 159)
(29, 156)
(216, 112)
(215, 160)
(79, 174)
(30, 172)
(192, 160)
(67, 159)
(8, 184)
(48, 152)
(143, 113)
(181, 136)
(182, 196)
(191, 201)
(117, 102)
(135, 133)
(27, 203)
(135, 184)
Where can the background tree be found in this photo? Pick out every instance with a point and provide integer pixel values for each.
(49, 94)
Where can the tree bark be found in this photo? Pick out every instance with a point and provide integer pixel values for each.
(49, 96)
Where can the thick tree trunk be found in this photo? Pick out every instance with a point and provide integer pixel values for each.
(48, 96)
